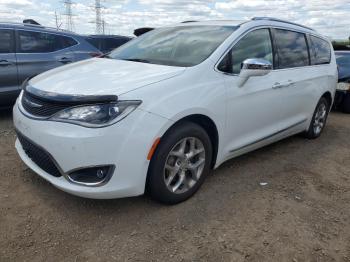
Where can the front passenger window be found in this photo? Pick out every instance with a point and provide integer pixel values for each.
(256, 44)
(6, 45)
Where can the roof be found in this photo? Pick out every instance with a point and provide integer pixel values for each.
(342, 52)
(35, 27)
(256, 20)
(214, 23)
(108, 36)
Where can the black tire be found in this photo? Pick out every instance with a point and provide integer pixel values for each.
(156, 185)
(311, 133)
(345, 107)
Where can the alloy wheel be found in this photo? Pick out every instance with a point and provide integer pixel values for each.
(184, 165)
(320, 119)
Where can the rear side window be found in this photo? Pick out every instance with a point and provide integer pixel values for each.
(256, 44)
(320, 51)
(67, 41)
(291, 49)
(95, 42)
(6, 41)
(113, 43)
(38, 42)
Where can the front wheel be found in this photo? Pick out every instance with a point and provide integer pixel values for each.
(180, 163)
(319, 119)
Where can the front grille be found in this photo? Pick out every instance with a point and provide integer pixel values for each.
(39, 107)
(38, 156)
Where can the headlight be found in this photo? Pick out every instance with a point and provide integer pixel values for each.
(343, 86)
(99, 115)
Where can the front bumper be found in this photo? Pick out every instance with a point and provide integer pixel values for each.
(124, 145)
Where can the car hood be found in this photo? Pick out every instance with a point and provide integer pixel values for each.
(101, 76)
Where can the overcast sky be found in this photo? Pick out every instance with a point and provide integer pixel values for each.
(330, 17)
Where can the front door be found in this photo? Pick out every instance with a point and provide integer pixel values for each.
(253, 110)
(9, 88)
(38, 52)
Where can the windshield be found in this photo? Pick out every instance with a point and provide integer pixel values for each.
(183, 46)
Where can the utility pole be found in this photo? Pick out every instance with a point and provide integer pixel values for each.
(69, 15)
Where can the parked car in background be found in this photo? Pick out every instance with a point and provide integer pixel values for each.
(342, 99)
(173, 104)
(143, 30)
(107, 43)
(27, 50)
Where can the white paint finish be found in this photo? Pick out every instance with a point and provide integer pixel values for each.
(244, 116)
(102, 76)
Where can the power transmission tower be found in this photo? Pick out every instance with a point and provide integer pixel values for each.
(99, 21)
(69, 15)
(58, 21)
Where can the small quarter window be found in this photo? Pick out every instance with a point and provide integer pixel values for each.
(320, 51)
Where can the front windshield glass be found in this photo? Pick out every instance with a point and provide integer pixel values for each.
(183, 46)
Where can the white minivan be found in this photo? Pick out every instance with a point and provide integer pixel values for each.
(159, 112)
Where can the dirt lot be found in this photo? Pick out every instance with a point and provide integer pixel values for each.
(302, 214)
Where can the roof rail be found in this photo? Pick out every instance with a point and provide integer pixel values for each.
(36, 26)
(280, 20)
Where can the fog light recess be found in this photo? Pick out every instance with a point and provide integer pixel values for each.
(93, 176)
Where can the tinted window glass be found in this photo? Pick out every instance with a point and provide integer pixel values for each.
(256, 44)
(292, 50)
(5, 41)
(175, 46)
(320, 51)
(343, 60)
(112, 43)
(95, 42)
(67, 41)
(36, 42)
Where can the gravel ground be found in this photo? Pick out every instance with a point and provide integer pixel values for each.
(302, 214)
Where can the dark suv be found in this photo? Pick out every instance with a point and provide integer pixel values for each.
(107, 43)
(342, 98)
(27, 50)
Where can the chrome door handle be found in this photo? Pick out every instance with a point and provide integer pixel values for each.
(278, 85)
(5, 63)
(65, 60)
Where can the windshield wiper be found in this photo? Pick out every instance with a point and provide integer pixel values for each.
(137, 60)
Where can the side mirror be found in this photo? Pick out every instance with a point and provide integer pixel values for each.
(253, 67)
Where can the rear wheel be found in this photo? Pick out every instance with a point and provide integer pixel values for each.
(180, 164)
(319, 119)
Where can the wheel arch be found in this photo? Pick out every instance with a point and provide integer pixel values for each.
(207, 124)
(329, 98)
